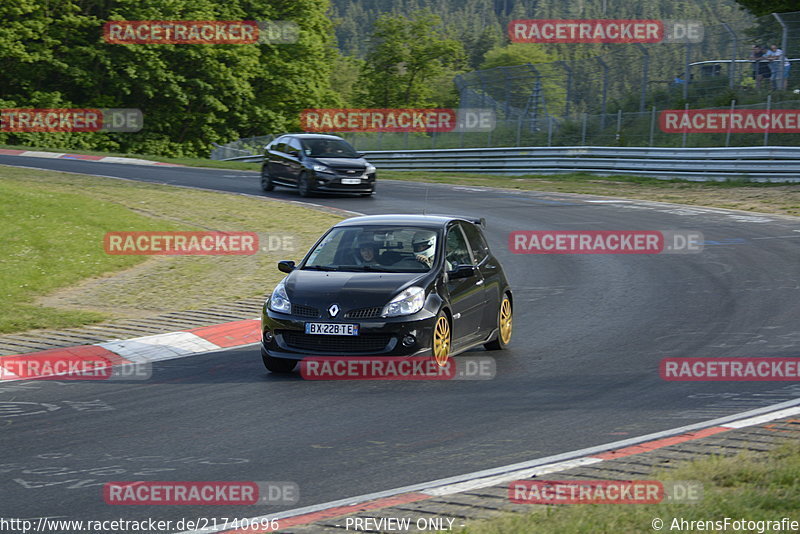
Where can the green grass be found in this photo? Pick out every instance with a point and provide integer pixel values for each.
(49, 240)
(54, 272)
(748, 486)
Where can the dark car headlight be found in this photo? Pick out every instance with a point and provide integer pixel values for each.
(409, 301)
(370, 168)
(322, 168)
(279, 301)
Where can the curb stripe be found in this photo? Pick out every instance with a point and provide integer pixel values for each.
(659, 443)
(83, 157)
(231, 334)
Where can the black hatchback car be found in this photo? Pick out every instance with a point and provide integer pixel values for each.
(316, 163)
(389, 285)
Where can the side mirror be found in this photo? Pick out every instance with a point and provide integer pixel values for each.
(462, 271)
(286, 266)
(361, 154)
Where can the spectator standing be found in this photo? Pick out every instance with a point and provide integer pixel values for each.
(761, 70)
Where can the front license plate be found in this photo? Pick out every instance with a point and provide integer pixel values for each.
(332, 329)
(351, 181)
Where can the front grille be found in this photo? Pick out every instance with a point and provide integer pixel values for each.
(304, 311)
(364, 313)
(321, 343)
(349, 172)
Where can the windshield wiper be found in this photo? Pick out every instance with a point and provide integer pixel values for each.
(319, 268)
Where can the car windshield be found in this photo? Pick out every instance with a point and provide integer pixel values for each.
(328, 148)
(393, 249)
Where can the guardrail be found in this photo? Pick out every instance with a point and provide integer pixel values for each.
(774, 164)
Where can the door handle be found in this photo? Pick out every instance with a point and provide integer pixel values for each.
(479, 283)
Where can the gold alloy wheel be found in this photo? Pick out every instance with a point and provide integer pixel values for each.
(505, 320)
(441, 341)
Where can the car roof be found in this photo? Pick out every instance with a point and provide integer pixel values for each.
(311, 136)
(426, 221)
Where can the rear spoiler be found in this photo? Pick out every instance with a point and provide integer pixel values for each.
(480, 221)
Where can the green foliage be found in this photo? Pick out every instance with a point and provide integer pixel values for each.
(765, 7)
(54, 56)
(406, 55)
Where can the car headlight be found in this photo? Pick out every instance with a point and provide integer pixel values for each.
(370, 168)
(322, 168)
(279, 301)
(407, 302)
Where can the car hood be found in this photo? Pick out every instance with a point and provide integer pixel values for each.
(337, 163)
(349, 290)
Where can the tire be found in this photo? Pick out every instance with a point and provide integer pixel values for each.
(277, 365)
(304, 185)
(441, 340)
(266, 180)
(505, 316)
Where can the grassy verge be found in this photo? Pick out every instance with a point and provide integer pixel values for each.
(734, 194)
(54, 271)
(751, 487)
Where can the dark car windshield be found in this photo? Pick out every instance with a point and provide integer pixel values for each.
(393, 249)
(328, 148)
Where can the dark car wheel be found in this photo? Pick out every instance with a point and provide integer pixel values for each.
(442, 341)
(504, 326)
(304, 185)
(277, 365)
(266, 180)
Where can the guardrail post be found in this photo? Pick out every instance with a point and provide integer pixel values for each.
(583, 130)
(619, 125)
(652, 124)
(549, 130)
(519, 127)
(769, 108)
(730, 118)
(685, 129)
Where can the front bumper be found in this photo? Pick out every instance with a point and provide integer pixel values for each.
(332, 183)
(283, 336)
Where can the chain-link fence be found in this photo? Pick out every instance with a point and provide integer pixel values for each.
(614, 99)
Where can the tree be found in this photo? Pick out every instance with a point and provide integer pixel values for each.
(765, 7)
(406, 54)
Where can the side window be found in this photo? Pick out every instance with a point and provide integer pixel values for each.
(480, 250)
(278, 145)
(294, 147)
(456, 251)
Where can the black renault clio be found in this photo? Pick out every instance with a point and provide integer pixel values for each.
(389, 285)
(316, 163)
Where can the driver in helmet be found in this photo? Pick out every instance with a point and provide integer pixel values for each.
(424, 245)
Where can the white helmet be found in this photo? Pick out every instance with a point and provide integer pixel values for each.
(424, 244)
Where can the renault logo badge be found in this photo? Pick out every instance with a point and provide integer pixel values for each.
(333, 310)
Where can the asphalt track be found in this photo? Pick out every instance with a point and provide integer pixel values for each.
(582, 370)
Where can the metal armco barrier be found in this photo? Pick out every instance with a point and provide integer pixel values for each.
(774, 164)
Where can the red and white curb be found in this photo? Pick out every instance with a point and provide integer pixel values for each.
(500, 475)
(83, 157)
(148, 348)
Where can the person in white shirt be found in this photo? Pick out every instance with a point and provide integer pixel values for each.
(777, 66)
